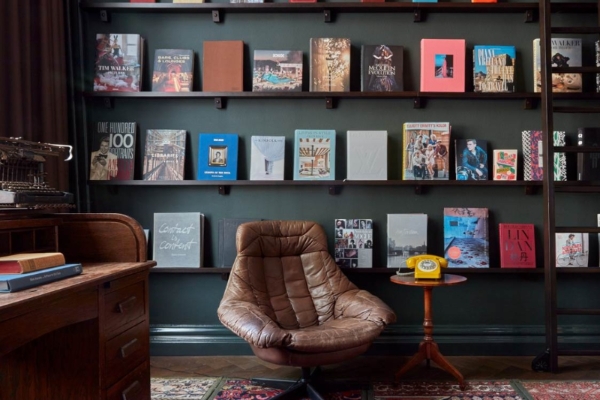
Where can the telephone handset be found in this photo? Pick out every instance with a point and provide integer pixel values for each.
(427, 266)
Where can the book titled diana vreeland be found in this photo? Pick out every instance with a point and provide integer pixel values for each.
(314, 154)
(217, 156)
(494, 68)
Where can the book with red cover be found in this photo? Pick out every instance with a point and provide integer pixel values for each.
(223, 66)
(517, 245)
(142, 1)
(27, 262)
(443, 65)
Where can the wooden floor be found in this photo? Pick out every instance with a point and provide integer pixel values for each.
(372, 368)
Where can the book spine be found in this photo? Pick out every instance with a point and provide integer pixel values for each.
(35, 264)
(28, 281)
(597, 48)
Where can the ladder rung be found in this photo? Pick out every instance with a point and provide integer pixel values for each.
(568, 352)
(572, 29)
(576, 70)
(581, 110)
(582, 229)
(578, 311)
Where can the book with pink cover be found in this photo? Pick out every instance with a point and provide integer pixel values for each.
(443, 65)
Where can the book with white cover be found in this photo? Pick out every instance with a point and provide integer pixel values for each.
(314, 154)
(267, 158)
(366, 155)
(178, 240)
(407, 237)
(572, 249)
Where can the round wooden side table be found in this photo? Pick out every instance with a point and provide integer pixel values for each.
(428, 349)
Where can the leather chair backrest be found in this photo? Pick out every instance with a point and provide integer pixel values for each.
(284, 267)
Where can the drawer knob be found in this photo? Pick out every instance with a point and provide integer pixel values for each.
(132, 391)
(130, 348)
(126, 305)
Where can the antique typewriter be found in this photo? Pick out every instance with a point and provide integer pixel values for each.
(22, 175)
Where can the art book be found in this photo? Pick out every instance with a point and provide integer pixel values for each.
(382, 68)
(471, 159)
(173, 70)
(267, 158)
(164, 155)
(426, 152)
(276, 70)
(588, 164)
(113, 151)
(443, 65)
(407, 237)
(314, 154)
(366, 157)
(505, 164)
(218, 156)
(494, 68)
(227, 231)
(329, 65)
(15, 282)
(223, 66)
(118, 62)
(466, 237)
(565, 52)
(354, 243)
(572, 249)
(533, 165)
(517, 245)
(178, 240)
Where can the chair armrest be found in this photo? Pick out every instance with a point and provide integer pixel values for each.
(363, 305)
(251, 324)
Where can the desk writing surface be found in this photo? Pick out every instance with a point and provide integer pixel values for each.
(93, 274)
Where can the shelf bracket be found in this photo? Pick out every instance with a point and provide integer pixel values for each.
(334, 189)
(224, 190)
(104, 16)
(417, 15)
(216, 16)
(418, 102)
(225, 276)
(219, 103)
(529, 16)
(529, 190)
(529, 104)
(108, 102)
(329, 103)
(327, 15)
(419, 189)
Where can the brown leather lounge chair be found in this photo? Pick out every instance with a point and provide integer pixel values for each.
(288, 299)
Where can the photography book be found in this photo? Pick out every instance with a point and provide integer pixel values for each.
(354, 243)
(173, 70)
(218, 156)
(118, 62)
(113, 151)
(164, 155)
(466, 237)
(178, 240)
(314, 154)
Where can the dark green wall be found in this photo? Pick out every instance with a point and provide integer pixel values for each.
(490, 314)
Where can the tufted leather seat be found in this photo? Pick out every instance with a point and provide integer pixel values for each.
(288, 299)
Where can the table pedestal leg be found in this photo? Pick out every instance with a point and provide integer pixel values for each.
(428, 349)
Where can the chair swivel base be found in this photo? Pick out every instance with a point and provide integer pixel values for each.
(308, 386)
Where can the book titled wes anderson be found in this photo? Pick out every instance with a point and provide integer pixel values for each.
(218, 156)
(329, 65)
(173, 70)
(381, 68)
(113, 151)
(314, 154)
(354, 243)
(118, 62)
(494, 68)
(164, 155)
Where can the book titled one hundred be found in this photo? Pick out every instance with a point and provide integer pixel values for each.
(16, 282)
(26, 262)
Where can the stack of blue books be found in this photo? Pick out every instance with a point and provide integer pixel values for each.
(16, 282)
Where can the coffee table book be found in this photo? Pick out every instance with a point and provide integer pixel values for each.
(277, 70)
(173, 70)
(517, 245)
(267, 156)
(329, 65)
(118, 66)
(164, 155)
(381, 68)
(565, 52)
(466, 237)
(443, 65)
(366, 155)
(406, 237)
(223, 66)
(354, 243)
(314, 154)
(27, 262)
(113, 151)
(178, 240)
(16, 282)
(218, 156)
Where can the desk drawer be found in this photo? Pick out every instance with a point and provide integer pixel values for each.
(126, 351)
(135, 386)
(124, 305)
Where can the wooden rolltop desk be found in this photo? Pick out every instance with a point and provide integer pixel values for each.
(84, 337)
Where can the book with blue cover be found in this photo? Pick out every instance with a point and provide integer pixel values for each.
(314, 154)
(218, 156)
(494, 68)
(16, 282)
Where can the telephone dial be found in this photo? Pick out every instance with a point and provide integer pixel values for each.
(427, 266)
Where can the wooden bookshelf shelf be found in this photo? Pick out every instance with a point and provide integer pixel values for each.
(370, 271)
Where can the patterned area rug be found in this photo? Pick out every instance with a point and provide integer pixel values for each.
(182, 388)
(559, 390)
(433, 390)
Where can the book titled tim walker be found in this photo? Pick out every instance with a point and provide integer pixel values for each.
(267, 158)
(118, 62)
(314, 154)
(354, 243)
(565, 52)
(178, 240)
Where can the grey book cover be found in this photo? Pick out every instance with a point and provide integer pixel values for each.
(227, 231)
(178, 240)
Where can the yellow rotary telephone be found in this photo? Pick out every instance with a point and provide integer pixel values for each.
(427, 266)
